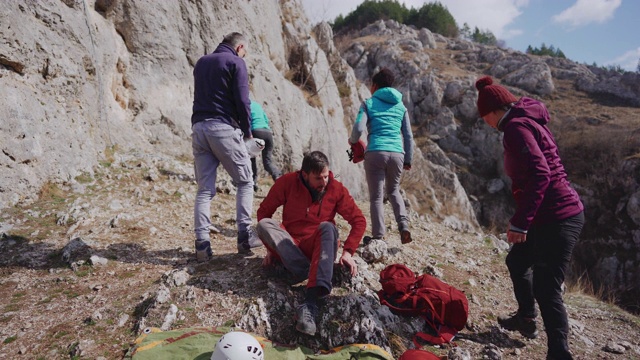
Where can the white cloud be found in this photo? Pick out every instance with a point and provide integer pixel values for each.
(627, 61)
(493, 15)
(585, 12)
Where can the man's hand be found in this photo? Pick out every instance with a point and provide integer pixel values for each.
(347, 260)
(515, 237)
(406, 166)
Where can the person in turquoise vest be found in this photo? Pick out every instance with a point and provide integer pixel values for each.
(260, 129)
(388, 152)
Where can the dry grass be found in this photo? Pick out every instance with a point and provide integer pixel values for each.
(108, 155)
(313, 99)
(51, 192)
(583, 285)
(343, 89)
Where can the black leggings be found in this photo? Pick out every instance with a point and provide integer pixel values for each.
(537, 268)
(267, 160)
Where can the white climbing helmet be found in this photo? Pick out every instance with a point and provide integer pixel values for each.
(237, 345)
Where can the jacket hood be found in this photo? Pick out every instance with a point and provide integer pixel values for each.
(225, 48)
(530, 108)
(388, 95)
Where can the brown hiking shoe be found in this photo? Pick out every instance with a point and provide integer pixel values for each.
(515, 322)
(405, 236)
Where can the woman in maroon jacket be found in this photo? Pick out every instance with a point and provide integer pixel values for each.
(548, 218)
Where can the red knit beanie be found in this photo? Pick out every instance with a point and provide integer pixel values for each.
(492, 97)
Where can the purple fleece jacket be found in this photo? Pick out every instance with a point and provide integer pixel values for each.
(221, 89)
(539, 181)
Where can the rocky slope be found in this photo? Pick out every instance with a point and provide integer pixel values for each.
(95, 161)
(90, 264)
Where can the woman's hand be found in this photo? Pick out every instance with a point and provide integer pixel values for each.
(515, 237)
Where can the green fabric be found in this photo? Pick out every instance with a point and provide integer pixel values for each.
(198, 344)
(259, 119)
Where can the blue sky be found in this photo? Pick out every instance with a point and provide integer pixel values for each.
(587, 31)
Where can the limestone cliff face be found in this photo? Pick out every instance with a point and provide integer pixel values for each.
(83, 79)
(89, 79)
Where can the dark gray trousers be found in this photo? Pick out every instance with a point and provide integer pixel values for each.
(267, 159)
(537, 268)
(312, 258)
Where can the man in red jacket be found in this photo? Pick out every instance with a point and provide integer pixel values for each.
(306, 242)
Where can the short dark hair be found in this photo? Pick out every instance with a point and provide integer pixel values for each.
(234, 39)
(314, 162)
(384, 78)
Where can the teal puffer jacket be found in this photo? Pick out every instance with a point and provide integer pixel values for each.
(385, 111)
(259, 119)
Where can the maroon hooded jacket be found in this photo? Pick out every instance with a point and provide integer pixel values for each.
(539, 181)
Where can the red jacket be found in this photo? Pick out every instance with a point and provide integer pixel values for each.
(301, 216)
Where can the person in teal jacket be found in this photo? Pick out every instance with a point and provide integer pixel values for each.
(388, 152)
(260, 129)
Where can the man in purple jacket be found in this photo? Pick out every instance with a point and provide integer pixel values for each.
(549, 214)
(220, 122)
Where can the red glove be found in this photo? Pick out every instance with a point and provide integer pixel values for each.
(357, 151)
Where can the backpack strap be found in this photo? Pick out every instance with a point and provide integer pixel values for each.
(445, 335)
(421, 294)
(393, 304)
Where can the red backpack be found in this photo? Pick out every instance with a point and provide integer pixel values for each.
(444, 308)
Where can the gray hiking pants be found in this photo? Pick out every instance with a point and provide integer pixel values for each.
(383, 170)
(313, 257)
(216, 143)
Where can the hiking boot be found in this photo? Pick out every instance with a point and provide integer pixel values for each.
(405, 236)
(244, 249)
(515, 322)
(203, 250)
(306, 318)
(248, 239)
(368, 240)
